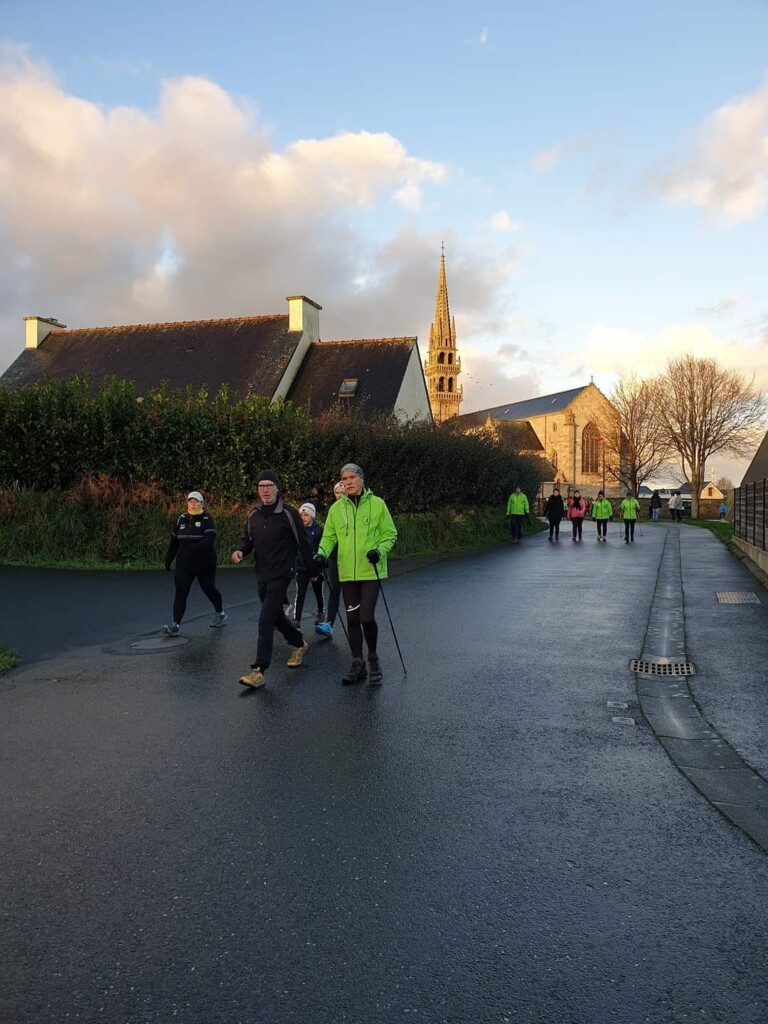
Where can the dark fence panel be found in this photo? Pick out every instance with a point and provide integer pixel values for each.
(750, 522)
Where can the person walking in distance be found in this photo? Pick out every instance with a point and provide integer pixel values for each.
(577, 509)
(275, 534)
(602, 511)
(630, 510)
(325, 629)
(655, 507)
(313, 532)
(676, 506)
(554, 509)
(360, 526)
(517, 509)
(193, 546)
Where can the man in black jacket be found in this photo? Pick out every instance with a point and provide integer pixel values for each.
(193, 545)
(274, 533)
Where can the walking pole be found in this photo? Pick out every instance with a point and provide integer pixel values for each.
(391, 625)
(339, 616)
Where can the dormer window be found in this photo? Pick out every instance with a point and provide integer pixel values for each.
(348, 387)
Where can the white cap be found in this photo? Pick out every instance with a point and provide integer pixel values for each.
(309, 508)
(196, 495)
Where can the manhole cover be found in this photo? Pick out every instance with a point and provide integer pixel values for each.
(158, 643)
(662, 667)
(736, 597)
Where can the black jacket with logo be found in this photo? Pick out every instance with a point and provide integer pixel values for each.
(275, 534)
(193, 542)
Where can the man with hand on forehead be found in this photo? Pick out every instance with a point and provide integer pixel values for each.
(360, 527)
(275, 534)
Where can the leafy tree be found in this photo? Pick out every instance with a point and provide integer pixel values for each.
(705, 409)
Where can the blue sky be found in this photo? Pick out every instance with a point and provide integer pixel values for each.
(599, 174)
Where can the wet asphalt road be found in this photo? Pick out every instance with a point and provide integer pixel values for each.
(477, 842)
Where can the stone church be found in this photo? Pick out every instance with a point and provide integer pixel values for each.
(443, 365)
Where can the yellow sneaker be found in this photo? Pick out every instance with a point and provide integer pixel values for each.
(297, 655)
(254, 678)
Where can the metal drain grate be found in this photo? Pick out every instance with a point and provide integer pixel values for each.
(663, 667)
(737, 597)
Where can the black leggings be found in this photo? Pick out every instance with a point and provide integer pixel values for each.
(360, 597)
(302, 584)
(629, 529)
(602, 527)
(577, 524)
(184, 578)
(554, 528)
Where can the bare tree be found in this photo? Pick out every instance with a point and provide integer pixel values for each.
(704, 409)
(633, 446)
(724, 483)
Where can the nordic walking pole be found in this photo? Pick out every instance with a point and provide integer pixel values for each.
(339, 616)
(391, 625)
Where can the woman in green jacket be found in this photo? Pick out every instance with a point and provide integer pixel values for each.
(630, 509)
(602, 511)
(360, 526)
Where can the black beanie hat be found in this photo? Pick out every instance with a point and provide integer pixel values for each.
(267, 475)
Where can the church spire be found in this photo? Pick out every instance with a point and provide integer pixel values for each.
(443, 366)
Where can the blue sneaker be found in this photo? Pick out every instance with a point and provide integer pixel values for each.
(172, 630)
(325, 630)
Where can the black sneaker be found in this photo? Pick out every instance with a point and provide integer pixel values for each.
(374, 669)
(356, 672)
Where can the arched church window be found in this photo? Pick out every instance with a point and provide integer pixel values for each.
(450, 358)
(450, 383)
(441, 384)
(590, 449)
(441, 357)
(553, 458)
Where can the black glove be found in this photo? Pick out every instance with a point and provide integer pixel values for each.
(373, 556)
(320, 562)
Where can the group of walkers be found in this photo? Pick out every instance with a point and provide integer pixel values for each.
(349, 554)
(575, 510)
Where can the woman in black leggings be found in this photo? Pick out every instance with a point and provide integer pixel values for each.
(193, 545)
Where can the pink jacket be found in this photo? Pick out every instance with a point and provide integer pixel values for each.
(576, 510)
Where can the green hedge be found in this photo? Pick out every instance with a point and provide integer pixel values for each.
(56, 433)
(45, 529)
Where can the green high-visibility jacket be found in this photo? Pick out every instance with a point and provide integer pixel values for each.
(630, 508)
(518, 504)
(356, 529)
(602, 509)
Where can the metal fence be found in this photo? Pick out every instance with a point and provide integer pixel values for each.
(750, 522)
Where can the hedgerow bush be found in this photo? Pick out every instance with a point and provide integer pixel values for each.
(57, 434)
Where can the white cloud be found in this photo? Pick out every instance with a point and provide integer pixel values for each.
(484, 37)
(722, 308)
(119, 215)
(550, 158)
(501, 221)
(727, 171)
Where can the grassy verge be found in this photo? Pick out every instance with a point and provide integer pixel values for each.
(43, 531)
(8, 659)
(720, 527)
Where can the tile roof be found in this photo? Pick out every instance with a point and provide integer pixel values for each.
(758, 467)
(249, 354)
(378, 364)
(523, 410)
(520, 434)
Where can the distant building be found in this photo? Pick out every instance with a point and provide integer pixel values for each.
(563, 429)
(443, 365)
(276, 357)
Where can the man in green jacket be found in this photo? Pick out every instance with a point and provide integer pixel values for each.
(602, 511)
(360, 526)
(630, 509)
(517, 509)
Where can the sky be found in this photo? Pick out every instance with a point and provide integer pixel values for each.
(598, 173)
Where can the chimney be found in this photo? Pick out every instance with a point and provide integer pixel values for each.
(304, 320)
(37, 329)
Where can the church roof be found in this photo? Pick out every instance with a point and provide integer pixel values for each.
(519, 434)
(249, 354)
(523, 410)
(377, 365)
(758, 467)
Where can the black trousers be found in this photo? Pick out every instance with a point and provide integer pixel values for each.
(184, 578)
(516, 526)
(602, 527)
(360, 597)
(629, 529)
(334, 588)
(271, 618)
(554, 528)
(302, 585)
(577, 525)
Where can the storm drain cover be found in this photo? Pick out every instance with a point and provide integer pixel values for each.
(158, 643)
(662, 667)
(737, 597)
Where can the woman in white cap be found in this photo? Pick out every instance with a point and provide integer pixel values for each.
(362, 528)
(314, 532)
(193, 545)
